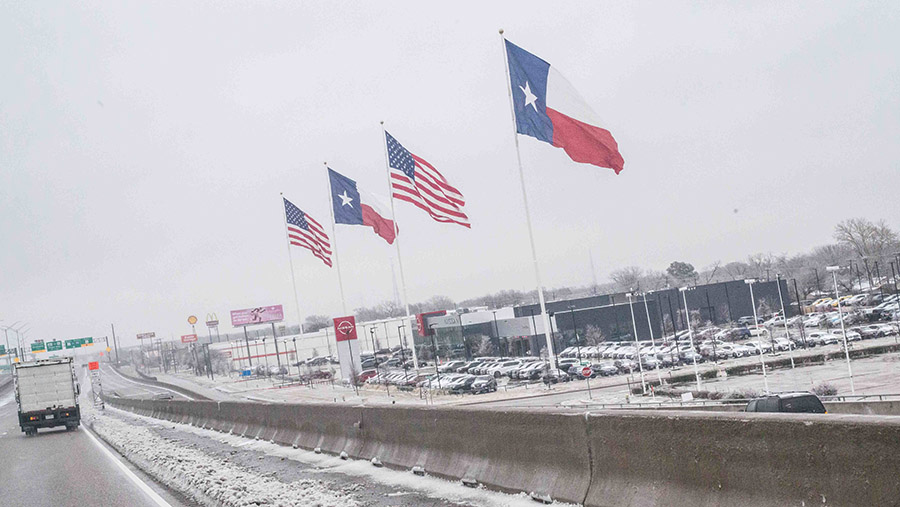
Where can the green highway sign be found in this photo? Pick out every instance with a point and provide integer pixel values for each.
(54, 345)
(38, 346)
(79, 342)
(2, 350)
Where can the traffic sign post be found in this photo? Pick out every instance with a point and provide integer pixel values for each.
(586, 372)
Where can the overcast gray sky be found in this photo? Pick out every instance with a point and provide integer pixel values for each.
(143, 145)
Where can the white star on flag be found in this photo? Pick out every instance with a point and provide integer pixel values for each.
(346, 200)
(530, 98)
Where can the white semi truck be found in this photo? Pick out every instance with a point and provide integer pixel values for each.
(47, 394)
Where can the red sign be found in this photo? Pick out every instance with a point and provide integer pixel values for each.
(421, 321)
(94, 365)
(586, 371)
(345, 328)
(189, 338)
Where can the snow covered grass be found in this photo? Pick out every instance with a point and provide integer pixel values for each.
(430, 486)
(209, 479)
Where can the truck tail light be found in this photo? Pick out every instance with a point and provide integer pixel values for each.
(33, 418)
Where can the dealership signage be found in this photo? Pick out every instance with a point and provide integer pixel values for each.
(347, 346)
(188, 338)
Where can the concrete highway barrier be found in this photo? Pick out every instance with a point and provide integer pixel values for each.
(607, 458)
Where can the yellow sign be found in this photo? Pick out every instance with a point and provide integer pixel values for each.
(192, 320)
(108, 349)
(16, 360)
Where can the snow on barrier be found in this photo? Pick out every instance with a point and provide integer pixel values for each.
(147, 379)
(599, 458)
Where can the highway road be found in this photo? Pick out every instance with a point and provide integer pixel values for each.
(114, 383)
(57, 467)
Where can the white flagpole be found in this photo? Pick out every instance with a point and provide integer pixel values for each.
(537, 274)
(337, 263)
(291, 262)
(387, 166)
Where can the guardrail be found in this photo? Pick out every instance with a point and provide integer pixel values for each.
(626, 458)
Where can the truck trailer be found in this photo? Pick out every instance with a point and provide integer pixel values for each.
(47, 394)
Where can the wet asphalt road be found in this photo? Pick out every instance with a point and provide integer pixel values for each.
(60, 468)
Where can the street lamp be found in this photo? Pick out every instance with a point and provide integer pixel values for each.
(578, 350)
(837, 296)
(652, 341)
(637, 345)
(687, 318)
(434, 351)
(750, 282)
(784, 318)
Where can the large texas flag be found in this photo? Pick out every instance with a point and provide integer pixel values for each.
(353, 206)
(549, 109)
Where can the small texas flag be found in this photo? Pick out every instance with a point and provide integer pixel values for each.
(549, 109)
(353, 206)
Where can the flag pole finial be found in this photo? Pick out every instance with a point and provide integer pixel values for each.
(381, 122)
(501, 31)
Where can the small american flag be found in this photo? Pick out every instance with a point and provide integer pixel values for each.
(306, 232)
(417, 182)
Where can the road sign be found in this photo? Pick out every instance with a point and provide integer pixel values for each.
(144, 336)
(108, 349)
(586, 371)
(86, 342)
(192, 320)
(94, 365)
(54, 345)
(38, 346)
(2, 350)
(189, 338)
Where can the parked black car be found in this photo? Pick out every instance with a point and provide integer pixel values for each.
(806, 403)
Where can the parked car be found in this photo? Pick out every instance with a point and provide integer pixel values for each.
(806, 403)
(366, 375)
(451, 366)
(483, 384)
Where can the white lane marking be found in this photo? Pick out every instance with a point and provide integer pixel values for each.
(153, 495)
(146, 386)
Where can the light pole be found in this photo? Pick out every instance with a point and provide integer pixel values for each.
(652, 341)
(834, 270)
(687, 319)
(750, 282)
(784, 318)
(434, 351)
(637, 345)
(578, 350)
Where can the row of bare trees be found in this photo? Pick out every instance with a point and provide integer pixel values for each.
(868, 247)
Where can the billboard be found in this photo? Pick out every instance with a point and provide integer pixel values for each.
(189, 338)
(259, 315)
(144, 336)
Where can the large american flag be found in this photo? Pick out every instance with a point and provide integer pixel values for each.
(306, 232)
(416, 181)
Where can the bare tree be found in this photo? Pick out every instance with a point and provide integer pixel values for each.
(866, 238)
(628, 278)
(316, 322)
(593, 335)
(709, 274)
(737, 270)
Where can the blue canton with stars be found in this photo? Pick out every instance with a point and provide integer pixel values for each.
(294, 215)
(399, 157)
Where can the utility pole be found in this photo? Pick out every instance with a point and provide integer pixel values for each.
(115, 344)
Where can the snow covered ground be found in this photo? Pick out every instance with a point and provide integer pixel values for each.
(212, 468)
